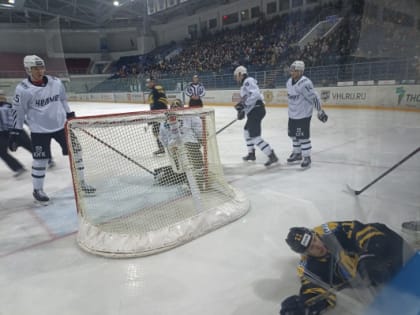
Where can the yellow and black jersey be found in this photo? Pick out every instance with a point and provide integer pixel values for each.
(355, 239)
(157, 98)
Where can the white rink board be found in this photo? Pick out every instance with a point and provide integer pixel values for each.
(383, 96)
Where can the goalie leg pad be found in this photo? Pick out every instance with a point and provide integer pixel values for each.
(166, 176)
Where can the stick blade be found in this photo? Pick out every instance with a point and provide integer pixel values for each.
(352, 191)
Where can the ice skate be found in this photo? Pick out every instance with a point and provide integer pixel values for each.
(51, 164)
(306, 162)
(159, 151)
(41, 197)
(250, 156)
(272, 158)
(19, 172)
(88, 189)
(294, 157)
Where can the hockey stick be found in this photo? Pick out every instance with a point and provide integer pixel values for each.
(358, 192)
(223, 128)
(332, 290)
(117, 151)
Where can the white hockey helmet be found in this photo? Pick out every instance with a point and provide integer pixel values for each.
(239, 70)
(298, 65)
(32, 61)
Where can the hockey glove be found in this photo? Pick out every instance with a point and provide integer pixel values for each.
(70, 115)
(14, 139)
(293, 305)
(322, 116)
(241, 112)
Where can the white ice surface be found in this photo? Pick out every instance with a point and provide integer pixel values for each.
(244, 268)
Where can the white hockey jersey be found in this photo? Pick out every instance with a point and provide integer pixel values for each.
(250, 94)
(302, 98)
(43, 107)
(190, 129)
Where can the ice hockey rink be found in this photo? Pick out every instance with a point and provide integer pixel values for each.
(244, 268)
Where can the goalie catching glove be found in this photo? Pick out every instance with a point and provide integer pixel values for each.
(241, 112)
(322, 116)
(14, 139)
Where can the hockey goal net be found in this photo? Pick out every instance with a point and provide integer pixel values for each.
(146, 203)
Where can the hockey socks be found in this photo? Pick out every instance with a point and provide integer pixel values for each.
(38, 173)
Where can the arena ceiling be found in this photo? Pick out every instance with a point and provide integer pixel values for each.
(93, 13)
(72, 13)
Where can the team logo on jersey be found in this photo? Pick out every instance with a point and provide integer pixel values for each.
(46, 101)
(268, 96)
(326, 229)
(325, 95)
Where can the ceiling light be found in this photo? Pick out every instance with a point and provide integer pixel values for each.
(11, 1)
(116, 3)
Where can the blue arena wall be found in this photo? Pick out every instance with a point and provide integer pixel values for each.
(402, 295)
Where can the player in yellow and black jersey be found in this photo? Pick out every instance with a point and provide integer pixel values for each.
(335, 255)
(157, 101)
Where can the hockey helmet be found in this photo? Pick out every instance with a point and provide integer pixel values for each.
(298, 65)
(239, 70)
(177, 103)
(32, 61)
(299, 239)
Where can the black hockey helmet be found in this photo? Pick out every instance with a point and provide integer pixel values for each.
(299, 239)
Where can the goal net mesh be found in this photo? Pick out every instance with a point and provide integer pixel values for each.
(146, 203)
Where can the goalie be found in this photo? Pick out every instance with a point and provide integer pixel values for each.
(336, 254)
(182, 138)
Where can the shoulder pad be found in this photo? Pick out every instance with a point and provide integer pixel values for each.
(302, 266)
(23, 85)
(322, 229)
(302, 81)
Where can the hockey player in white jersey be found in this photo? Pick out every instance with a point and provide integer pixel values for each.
(302, 98)
(252, 106)
(41, 101)
(190, 133)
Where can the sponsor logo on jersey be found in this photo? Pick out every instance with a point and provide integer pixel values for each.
(46, 101)
(293, 97)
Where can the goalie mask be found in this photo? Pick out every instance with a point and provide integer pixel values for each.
(31, 61)
(177, 103)
(239, 71)
(299, 239)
